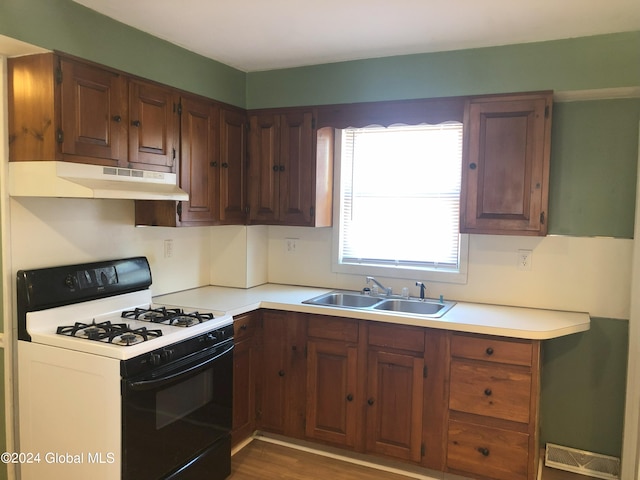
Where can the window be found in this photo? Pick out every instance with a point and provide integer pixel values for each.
(398, 202)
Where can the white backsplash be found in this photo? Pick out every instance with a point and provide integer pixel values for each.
(569, 273)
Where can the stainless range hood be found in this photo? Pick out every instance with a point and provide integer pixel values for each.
(77, 180)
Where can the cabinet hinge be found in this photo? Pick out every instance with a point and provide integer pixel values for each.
(424, 371)
(312, 212)
(247, 209)
(305, 351)
(59, 136)
(422, 450)
(313, 124)
(177, 107)
(546, 111)
(542, 218)
(58, 75)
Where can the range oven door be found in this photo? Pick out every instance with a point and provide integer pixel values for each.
(177, 419)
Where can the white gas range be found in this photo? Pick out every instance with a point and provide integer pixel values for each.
(149, 385)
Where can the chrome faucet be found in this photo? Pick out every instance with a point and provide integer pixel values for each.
(423, 287)
(387, 291)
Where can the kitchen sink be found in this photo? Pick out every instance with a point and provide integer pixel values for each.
(412, 306)
(344, 299)
(358, 301)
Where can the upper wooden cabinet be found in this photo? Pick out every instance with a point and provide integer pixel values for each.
(233, 158)
(153, 126)
(63, 109)
(290, 169)
(505, 168)
(212, 158)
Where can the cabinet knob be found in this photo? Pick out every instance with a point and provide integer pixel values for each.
(473, 166)
(275, 168)
(136, 123)
(350, 398)
(489, 351)
(371, 401)
(243, 327)
(281, 373)
(488, 392)
(213, 164)
(117, 118)
(225, 165)
(484, 451)
(281, 168)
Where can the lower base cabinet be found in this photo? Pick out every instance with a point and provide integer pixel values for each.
(460, 403)
(492, 426)
(245, 365)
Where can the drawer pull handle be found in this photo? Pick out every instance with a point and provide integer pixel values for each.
(488, 392)
(371, 401)
(484, 451)
(489, 351)
(281, 373)
(243, 327)
(350, 398)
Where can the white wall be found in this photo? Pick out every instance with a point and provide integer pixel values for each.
(56, 231)
(568, 273)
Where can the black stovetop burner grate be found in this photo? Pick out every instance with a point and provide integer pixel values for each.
(116, 333)
(167, 316)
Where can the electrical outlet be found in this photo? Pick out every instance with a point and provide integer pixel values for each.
(290, 246)
(524, 260)
(168, 248)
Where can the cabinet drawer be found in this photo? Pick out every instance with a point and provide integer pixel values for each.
(486, 451)
(332, 328)
(244, 326)
(499, 391)
(396, 336)
(492, 349)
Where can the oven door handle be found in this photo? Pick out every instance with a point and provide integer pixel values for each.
(159, 382)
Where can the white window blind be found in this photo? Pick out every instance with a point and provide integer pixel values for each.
(400, 196)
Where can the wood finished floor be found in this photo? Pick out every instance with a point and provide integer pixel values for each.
(262, 460)
(267, 461)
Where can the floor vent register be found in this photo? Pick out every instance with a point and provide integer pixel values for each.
(582, 461)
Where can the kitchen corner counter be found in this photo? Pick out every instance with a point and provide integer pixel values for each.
(516, 322)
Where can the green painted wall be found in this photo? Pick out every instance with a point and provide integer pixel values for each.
(577, 64)
(583, 387)
(69, 27)
(594, 156)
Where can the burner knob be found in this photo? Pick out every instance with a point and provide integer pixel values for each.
(70, 281)
(155, 359)
(212, 336)
(167, 355)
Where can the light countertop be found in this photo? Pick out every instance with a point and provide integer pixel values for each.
(518, 322)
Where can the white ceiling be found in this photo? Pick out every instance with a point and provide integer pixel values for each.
(254, 35)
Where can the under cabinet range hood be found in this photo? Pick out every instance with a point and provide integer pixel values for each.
(78, 180)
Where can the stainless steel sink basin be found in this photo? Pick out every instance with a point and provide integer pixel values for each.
(358, 301)
(411, 306)
(344, 299)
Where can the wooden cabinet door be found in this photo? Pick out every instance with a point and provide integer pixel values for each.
(199, 160)
(233, 131)
(282, 382)
(331, 392)
(153, 127)
(505, 168)
(395, 384)
(245, 363)
(264, 168)
(93, 114)
(296, 189)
